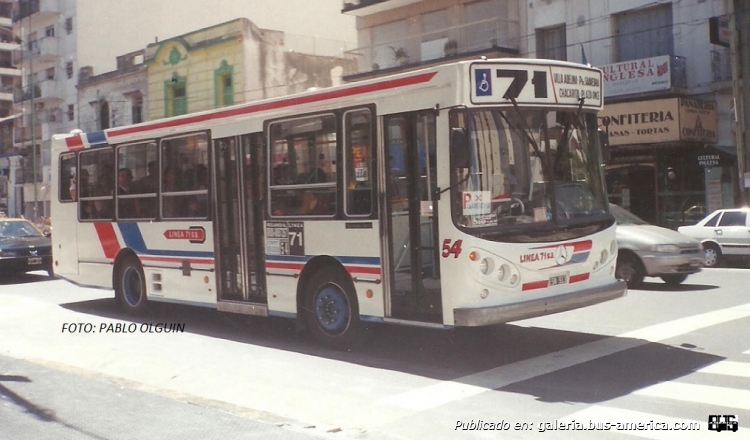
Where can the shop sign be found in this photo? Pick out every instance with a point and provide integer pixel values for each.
(709, 160)
(637, 76)
(661, 120)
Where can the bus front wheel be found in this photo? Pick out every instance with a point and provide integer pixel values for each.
(130, 286)
(331, 310)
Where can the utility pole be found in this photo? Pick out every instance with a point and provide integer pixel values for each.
(739, 28)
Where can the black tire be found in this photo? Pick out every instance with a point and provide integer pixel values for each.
(674, 279)
(130, 286)
(331, 310)
(630, 269)
(712, 254)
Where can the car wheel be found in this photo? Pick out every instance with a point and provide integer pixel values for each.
(630, 270)
(712, 254)
(130, 286)
(674, 279)
(331, 310)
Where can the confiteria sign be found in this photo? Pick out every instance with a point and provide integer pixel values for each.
(662, 120)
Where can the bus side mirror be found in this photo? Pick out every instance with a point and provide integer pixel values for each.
(459, 148)
(604, 142)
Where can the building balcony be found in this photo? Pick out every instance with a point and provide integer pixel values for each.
(44, 92)
(43, 50)
(492, 37)
(22, 135)
(367, 7)
(44, 8)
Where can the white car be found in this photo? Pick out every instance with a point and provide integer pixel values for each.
(724, 233)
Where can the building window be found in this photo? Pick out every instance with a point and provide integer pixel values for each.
(49, 31)
(389, 45)
(175, 91)
(644, 33)
(551, 43)
(71, 112)
(69, 25)
(103, 114)
(51, 73)
(137, 109)
(69, 69)
(223, 85)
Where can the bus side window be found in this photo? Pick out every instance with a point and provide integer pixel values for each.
(359, 162)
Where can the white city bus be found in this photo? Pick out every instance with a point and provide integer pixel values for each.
(466, 194)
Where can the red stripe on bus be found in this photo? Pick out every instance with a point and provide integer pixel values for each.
(74, 143)
(582, 246)
(535, 285)
(290, 102)
(579, 277)
(290, 266)
(552, 77)
(108, 239)
(367, 270)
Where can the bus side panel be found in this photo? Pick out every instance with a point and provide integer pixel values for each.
(93, 240)
(177, 258)
(64, 239)
(356, 248)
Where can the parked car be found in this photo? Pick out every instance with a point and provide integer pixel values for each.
(648, 250)
(23, 247)
(723, 233)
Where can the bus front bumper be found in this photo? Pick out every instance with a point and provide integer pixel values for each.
(474, 317)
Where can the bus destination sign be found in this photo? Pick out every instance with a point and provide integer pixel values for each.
(536, 84)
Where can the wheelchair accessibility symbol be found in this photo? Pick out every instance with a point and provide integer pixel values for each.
(482, 84)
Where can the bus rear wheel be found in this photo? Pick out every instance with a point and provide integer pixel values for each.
(130, 286)
(331, 310)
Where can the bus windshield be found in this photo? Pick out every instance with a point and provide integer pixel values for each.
(518, 169)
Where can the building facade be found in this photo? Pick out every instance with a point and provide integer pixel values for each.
(231, 63)
(396, 35)
(668, 98)
(64, 38)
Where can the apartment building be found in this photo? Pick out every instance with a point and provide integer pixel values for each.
(668, 98)
(665, 60)
(68, 40)
(8, 74)
(396, 35)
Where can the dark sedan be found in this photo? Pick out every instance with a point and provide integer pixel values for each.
(23, 247)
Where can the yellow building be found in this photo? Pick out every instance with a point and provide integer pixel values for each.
(230, 63)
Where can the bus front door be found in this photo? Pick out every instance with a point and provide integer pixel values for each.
(412, 228)
(237, 221)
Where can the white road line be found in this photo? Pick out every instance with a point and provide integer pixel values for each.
(602, 414)
(728, 368)
(703, 394)
(450, 391)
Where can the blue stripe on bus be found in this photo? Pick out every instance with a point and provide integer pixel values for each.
(133, 238)
(96, 137)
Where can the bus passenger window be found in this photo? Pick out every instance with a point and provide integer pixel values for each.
(359, 163)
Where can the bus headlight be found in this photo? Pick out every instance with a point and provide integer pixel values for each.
(603, 258)
(502, 272)
(613, 247)
(485, 266)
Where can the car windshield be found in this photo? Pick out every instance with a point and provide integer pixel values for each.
(14, 229)
(625, 217)
(519, 168)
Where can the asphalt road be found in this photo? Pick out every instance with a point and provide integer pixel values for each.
(660, 357)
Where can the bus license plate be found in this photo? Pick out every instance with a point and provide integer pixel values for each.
(35, 260)
(558, 279)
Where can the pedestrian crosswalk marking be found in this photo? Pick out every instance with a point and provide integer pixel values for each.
(441, 393)
(728, 368)
(720, 397)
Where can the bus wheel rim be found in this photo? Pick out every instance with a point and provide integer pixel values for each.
(332, 310)
(132, 286)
